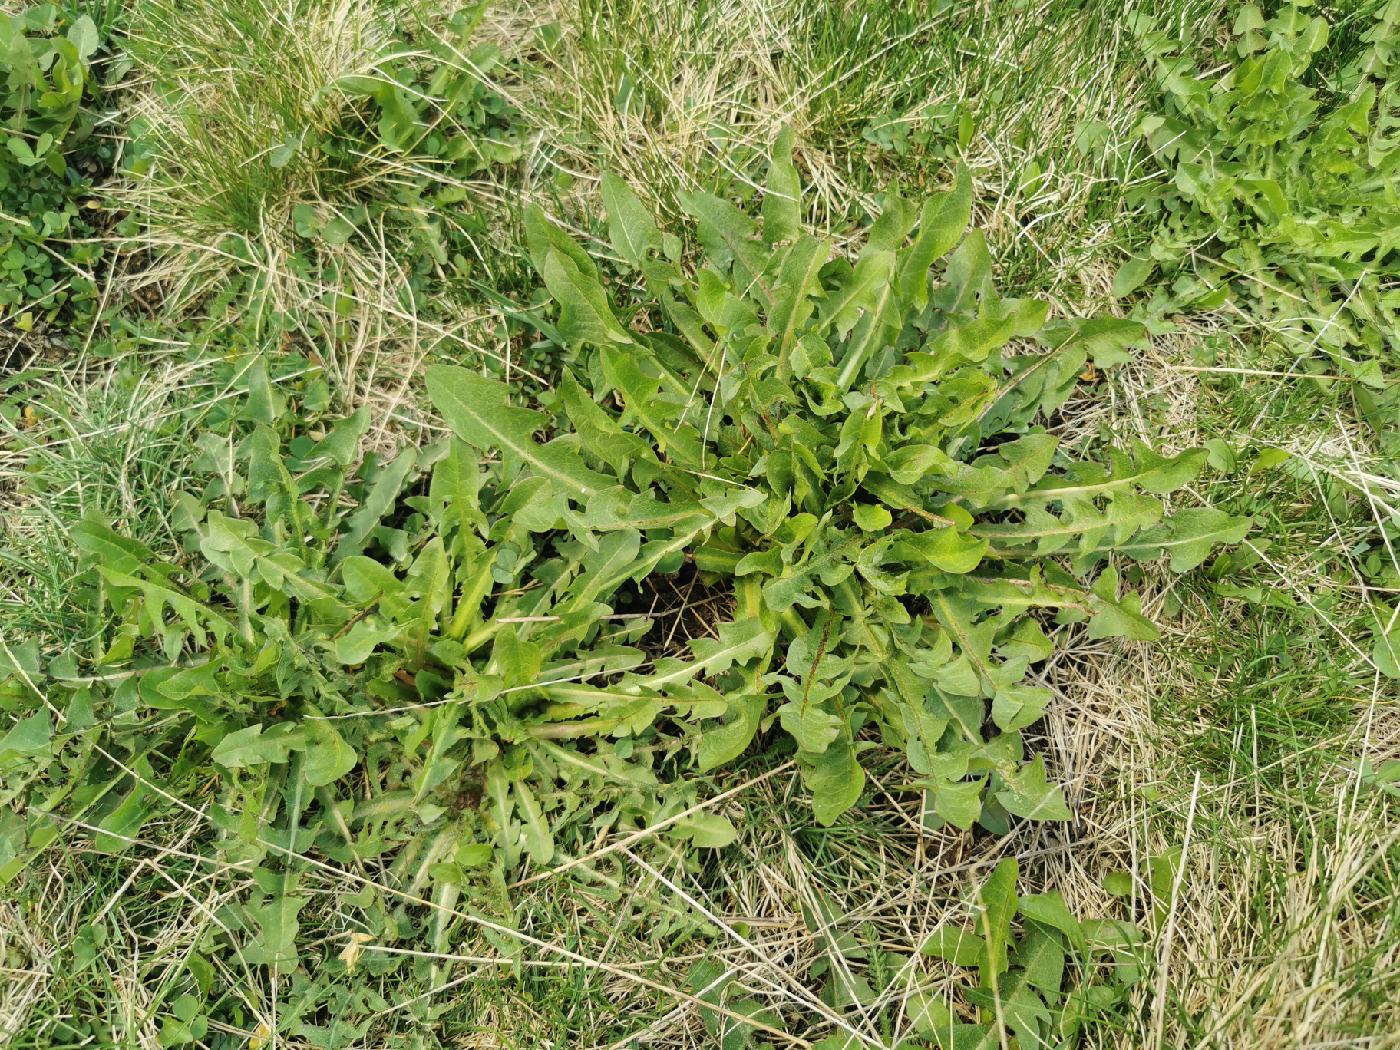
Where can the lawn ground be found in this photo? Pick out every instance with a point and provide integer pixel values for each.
(244, 247)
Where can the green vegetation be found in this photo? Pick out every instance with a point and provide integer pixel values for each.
(313, 187)
(55, 151)
(1283, 189)
(844, 442)
(828, 525)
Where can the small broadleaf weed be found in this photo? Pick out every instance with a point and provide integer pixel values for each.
(851, 451)
(451, 648)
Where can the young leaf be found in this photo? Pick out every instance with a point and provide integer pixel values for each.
(1050, 909)
(782, 196)
(110, 549)
(584, 315)
(542, 236)
(630, 227)
(722, 742)
(83, 35)
(478, 411)
(811, 727)
(328, 756)
(275, 944)
(538, 838)
(28, 736)
(1130, 277)
(1030, 795)
(376, 504)
(708, 830)
(959, 803)
(957, 945)
(997, 898)
(254, 747)
(1188, 537)
(941, 225)
(835, 779)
